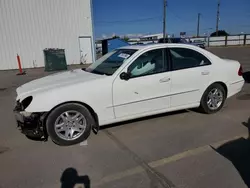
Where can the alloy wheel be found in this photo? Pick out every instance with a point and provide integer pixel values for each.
(70, 125)
(215, 99)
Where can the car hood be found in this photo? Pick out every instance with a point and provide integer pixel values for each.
(62, 79)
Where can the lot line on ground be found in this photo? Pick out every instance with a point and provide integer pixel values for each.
(164, 161)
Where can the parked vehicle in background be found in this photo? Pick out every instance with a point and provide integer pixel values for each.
(199, 43)
(182, 41)
(127, 83)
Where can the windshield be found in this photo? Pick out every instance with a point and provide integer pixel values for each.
(109, 63)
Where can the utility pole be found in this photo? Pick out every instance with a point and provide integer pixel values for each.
(218, 18)
(198, 25)
(164, 20)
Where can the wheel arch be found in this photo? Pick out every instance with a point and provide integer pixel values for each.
(203, 105)
(217, 82)
(223, 85)
(91, 110)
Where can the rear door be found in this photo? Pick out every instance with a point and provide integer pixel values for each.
(191, 72)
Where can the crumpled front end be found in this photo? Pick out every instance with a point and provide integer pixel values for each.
(30, 124)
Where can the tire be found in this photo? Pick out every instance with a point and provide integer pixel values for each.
(58, 115)
(204, 106)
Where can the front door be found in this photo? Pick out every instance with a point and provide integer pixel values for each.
(148, 88)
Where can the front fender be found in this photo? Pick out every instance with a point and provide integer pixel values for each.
(45, 102)
(99, 98)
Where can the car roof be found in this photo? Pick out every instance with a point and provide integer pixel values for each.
(148, 46)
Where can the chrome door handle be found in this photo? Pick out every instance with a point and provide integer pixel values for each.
(164, 80)
(205, 73)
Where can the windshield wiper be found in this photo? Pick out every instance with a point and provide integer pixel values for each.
(100, 73)
(93, 71)
(115, 67)
(96, 72)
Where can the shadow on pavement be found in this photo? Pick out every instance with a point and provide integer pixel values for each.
(238, 152)
(246, 76)
(70, 179)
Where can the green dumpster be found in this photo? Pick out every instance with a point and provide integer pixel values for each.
(55, 59)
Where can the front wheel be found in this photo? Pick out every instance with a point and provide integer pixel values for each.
(213, 99)
(69, 124)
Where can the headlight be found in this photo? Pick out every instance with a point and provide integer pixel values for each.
(26, 102)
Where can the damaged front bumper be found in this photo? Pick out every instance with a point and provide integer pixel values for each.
(31, 124)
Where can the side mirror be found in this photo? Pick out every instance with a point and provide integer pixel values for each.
(124, 76)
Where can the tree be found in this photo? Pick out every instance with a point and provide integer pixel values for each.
(115, 37)
(126, 38)
(220, 33)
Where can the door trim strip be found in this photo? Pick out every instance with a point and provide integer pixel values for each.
(169, 95)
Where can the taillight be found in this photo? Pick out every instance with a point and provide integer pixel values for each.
(240, 71)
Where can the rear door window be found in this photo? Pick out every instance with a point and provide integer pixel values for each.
(184, 58)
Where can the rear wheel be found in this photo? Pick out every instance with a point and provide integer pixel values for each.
(213, 99)
(69, 124)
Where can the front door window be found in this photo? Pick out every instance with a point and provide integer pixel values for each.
(151, 62)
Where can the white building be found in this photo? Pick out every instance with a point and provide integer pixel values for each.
(30, 26)
(152, 37)
(133, 41)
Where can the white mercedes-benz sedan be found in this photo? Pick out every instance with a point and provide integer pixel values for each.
(127, 83)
